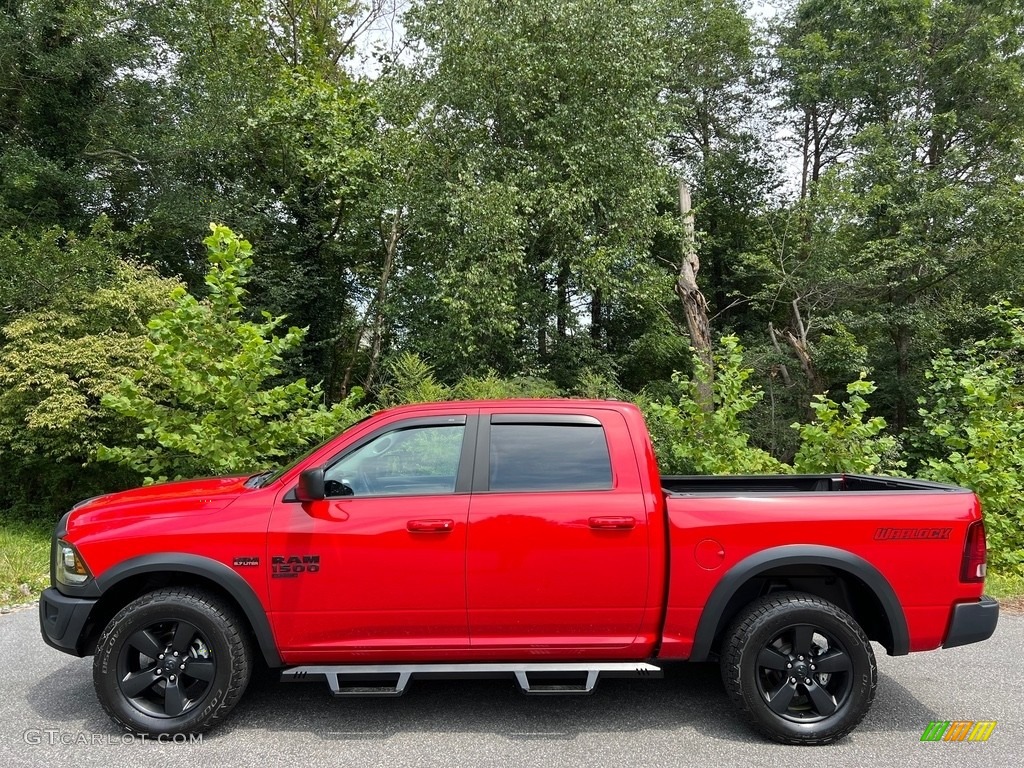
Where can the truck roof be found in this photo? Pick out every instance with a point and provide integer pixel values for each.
(530, 403)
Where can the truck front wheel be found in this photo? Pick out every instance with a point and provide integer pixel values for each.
(800, 669)
(175, 660)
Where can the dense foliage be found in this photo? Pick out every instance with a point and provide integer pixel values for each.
(77, 309)
(973, 424)
(207, 405)
(690, 439)
(461, 198)
(841, 440)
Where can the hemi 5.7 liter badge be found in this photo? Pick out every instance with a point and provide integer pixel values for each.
(246, 562)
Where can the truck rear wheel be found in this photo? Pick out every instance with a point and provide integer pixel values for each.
(175, 660)
(800, 669)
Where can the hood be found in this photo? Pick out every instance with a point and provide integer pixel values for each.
(182, 497)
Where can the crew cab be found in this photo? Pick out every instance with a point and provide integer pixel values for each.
(532, 539)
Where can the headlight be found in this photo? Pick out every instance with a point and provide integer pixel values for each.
(68, 565)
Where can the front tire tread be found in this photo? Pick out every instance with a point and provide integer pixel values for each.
(171, 602)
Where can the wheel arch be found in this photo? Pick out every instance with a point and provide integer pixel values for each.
(828, 572)
(128, 580)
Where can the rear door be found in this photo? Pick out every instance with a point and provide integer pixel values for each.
(558, 546)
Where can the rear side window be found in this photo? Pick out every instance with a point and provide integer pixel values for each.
(549, 457)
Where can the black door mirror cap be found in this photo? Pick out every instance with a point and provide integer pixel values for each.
(311, 485)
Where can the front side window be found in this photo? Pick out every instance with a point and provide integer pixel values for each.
(549, 457)
(415, 461)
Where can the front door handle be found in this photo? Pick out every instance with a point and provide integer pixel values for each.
(613, 523)
(430, 526)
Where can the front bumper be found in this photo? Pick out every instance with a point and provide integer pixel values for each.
(62, 619)
(972, 622)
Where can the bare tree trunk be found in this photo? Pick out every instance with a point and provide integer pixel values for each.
(801, 348)
(562, 299)
(695, 306)
(374, 315)
(783, 370)
(390, 248)
(596, 315)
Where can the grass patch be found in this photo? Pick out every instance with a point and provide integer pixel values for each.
(24, 561)
(1004, 584)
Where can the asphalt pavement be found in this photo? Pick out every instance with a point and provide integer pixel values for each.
(49, 716)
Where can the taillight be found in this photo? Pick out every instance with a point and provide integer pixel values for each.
(972, 567)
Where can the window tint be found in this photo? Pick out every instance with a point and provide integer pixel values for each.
(404, 462)
(549, 457)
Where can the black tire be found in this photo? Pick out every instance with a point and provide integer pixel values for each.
(800, 669)
(175, 660)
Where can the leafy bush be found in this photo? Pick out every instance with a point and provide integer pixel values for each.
(691, 440)
(598, 386)
(973, 428)
(62, 350)
(493, 387)
(411, 380)
(841, 440)
(210, 408)
(55, 268)
(56, 365)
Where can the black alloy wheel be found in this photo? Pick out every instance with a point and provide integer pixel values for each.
(803, 674)
(799, 668)
(175, 660)
(166, 669)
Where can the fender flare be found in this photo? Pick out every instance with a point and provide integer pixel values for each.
(711, 618)
(217, 572)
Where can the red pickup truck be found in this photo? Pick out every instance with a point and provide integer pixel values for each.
(531, 539)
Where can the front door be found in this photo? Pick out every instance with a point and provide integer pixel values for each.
(377, 569)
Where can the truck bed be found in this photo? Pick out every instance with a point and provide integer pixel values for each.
(687, 485)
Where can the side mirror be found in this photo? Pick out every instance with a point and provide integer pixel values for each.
(311, 485)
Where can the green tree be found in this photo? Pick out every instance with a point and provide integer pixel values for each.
(212, 406)
(75, 325)
(538, 187)
(713, 120)
(909, 110)
(60, 62)
(315, 135)
(248, 112)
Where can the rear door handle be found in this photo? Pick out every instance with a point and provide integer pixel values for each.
(430, 526)
(613, 523)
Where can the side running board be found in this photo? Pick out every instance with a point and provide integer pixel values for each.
(536, 679)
